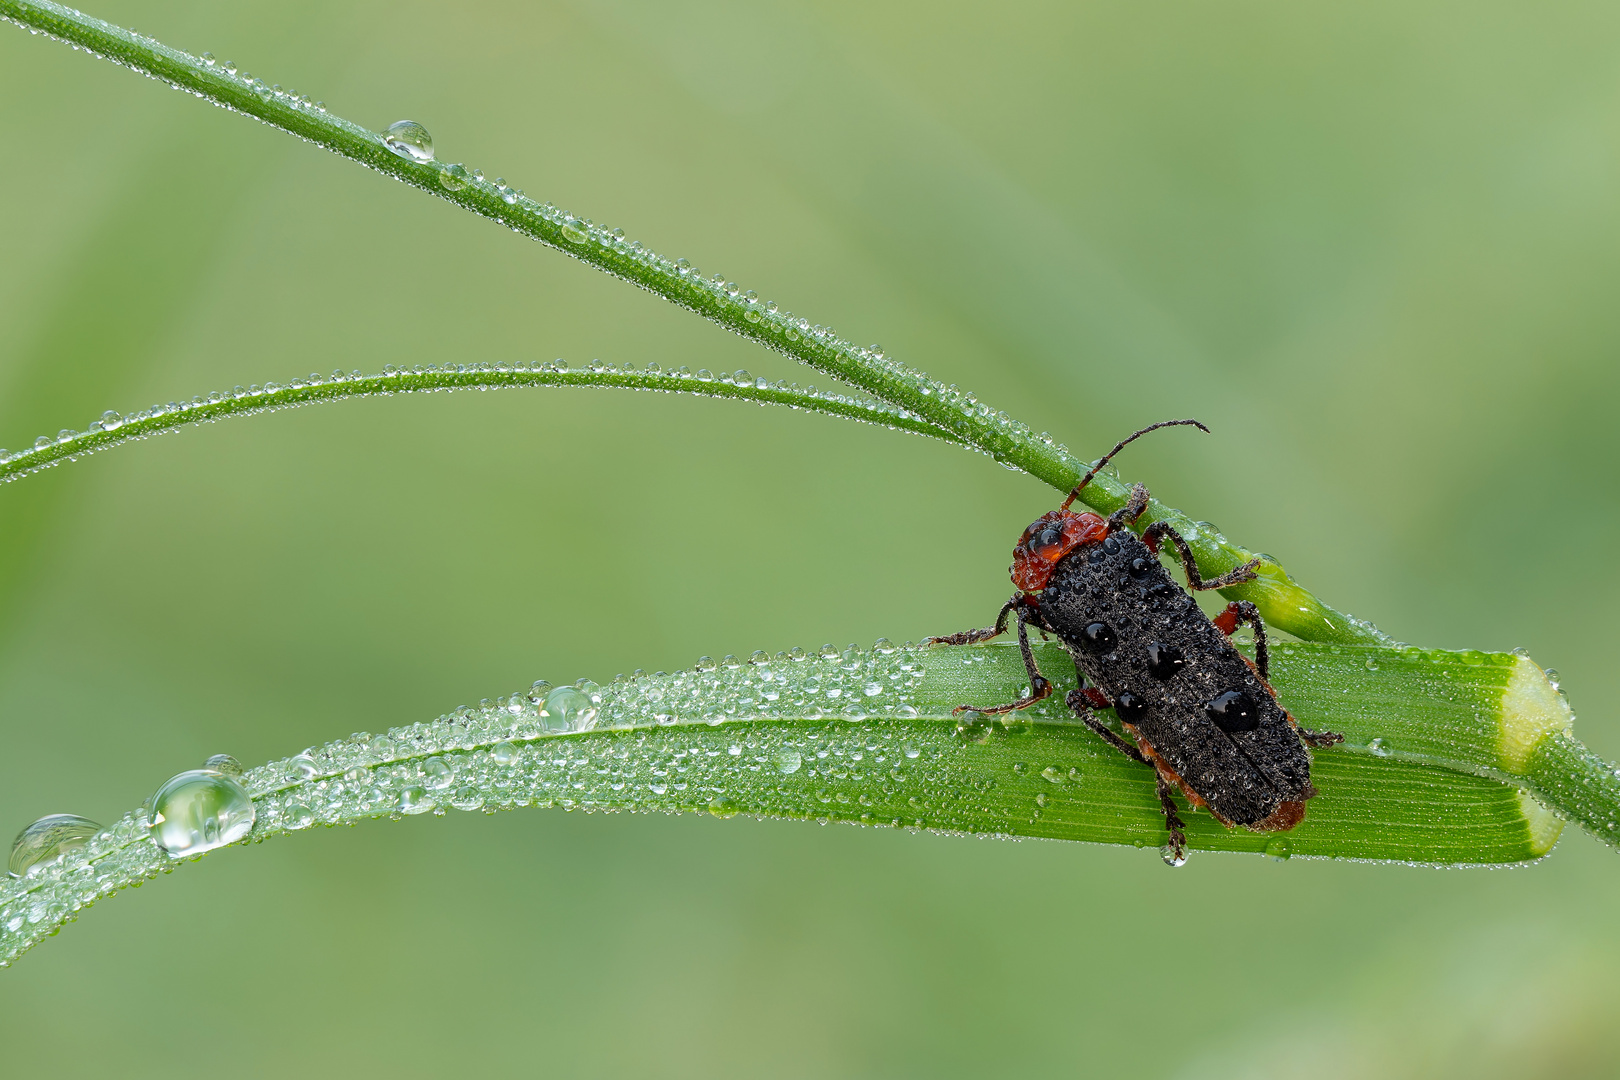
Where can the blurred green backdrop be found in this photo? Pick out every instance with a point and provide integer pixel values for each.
(1373, 247)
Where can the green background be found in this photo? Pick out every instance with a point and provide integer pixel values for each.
(1374, 247)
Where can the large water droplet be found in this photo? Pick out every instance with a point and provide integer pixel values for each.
(1172, 857)
(788, 761)
(48, 838)
(568, 709)
(199, 810)
(409, 140)
(437, 772)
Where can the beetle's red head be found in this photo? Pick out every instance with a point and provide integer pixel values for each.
(1047, 541)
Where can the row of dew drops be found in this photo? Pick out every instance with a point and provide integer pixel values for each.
(411, 140)
(69, 445)
(472, 758)
(965, 415)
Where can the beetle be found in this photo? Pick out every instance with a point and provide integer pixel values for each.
(1202, 715)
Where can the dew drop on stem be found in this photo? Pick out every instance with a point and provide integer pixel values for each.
(409, 140)
(47, 839)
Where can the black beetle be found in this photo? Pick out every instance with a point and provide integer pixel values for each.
(1202, 715)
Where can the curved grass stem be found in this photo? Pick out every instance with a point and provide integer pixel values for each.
(1283, 602)
(113, 429)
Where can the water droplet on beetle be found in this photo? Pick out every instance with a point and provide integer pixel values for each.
(409, 140)
(224, 763)
(200, 810)
(47, 839)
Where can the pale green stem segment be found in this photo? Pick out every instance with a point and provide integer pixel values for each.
(1284, 603)
(113, 429)
(869, 737)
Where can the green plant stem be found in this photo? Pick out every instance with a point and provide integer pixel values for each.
(113, 429)
(1283, 602)
(869, 737)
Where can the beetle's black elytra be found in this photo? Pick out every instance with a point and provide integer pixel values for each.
(1203, 716)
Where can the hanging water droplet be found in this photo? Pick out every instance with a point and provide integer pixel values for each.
(722, 807)
(224, 763)
(788, 761)
(409, 140)
(49, 838)
(1172, 857)
(453, 177)
(1278, 847)
(199, 810)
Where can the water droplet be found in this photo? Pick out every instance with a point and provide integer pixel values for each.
(48, 838)
(1041, 800)
(1372, 664)
(409, 140)
(1378, 749)
(568, 709)
(208, 58)
(788, 761)
(504, 753)
(298, 816)
(872, 689)
(467, 798)
(413, 800)
(911, 752)
(722, 807)
(1171, 857)
(1051, 773)
(199, 810)
(1278, 847)
(438, 773)
(301, 768)
(224, 763)
(453, 177)
(574, 231)
(706, 663)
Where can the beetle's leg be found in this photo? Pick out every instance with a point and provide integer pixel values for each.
(1319, 738)
(1039, 688)
(1127, 514)
(1160, 529)
(973, 637)
(1236, 614)
(1082, 701)
(1172, 820)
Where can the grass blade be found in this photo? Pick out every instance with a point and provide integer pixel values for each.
(868, 737)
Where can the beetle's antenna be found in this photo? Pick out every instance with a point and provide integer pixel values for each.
(1122, 444)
